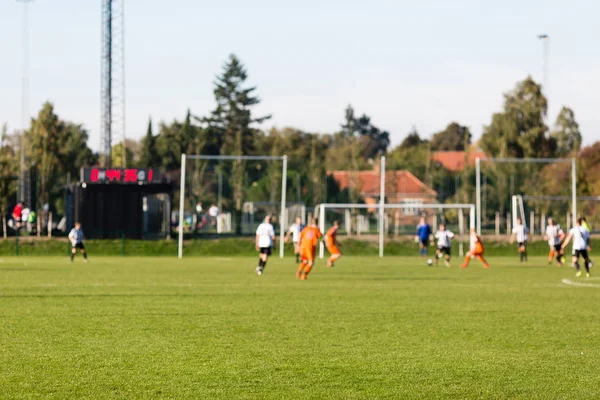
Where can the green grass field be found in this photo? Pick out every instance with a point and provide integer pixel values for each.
(125, 328)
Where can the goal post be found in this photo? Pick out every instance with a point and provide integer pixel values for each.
(436, 207)
(282, 214)
(479, 160)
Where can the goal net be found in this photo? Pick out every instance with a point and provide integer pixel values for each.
(534, 211)
(398, 219)
(532, 189)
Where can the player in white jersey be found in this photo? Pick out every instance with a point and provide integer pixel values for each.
(555, 235)
(444, 244)
(520, 233)
(294, 231)
(580, 237)
(265, 237)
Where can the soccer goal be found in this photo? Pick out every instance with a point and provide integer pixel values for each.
(191, 208)
(379, 217)
(523, 163)
(534, 211)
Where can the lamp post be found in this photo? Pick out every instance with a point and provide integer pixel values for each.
(545, 38)
(23, 170)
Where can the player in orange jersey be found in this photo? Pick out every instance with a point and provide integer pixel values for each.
(476, 251)
(309, 237)
(331, 243)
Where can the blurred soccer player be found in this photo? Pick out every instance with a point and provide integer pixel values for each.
(294, 231)
(444, 244)
(476, 250)
(265, 236)
(520, 232)
(309, 237)
(331, 243)
(423, 236)
(585, 224)
(555, 235)
(76, 237)
(580, 237)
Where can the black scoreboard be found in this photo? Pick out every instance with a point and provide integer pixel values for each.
(120, 175)
(109, 202)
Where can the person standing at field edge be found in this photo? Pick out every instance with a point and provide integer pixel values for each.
(17, 214)
(76, 238)
(265, 237)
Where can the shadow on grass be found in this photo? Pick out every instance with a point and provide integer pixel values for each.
(41, 296)
(33, 269)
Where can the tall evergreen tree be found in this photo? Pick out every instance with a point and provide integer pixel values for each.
(349, 132)
(148, 156)
(233, 121)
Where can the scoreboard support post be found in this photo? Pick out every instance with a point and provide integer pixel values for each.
(181, 208)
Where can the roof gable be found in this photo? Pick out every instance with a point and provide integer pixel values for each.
(368, 182)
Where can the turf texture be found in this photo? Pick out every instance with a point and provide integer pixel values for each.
(128, 328)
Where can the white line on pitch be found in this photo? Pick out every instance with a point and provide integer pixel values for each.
(582, 284)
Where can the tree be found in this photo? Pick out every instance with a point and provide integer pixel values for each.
(566, 133)
(8, 171)
(589, 167)
(413, 155)
(174, 139)
(74, 153)
(233, 121)
(519, 131)
(44, 139)
(454, 138)
(148, 155)
(57, 148)
(117, 155)
(412, 140)
(373, 141)
(349, 131)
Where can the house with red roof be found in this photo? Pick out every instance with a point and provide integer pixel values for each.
(456, 161)
(402, 187)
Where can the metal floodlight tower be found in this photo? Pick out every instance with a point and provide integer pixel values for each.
(112, 80)
(545, 38)
(24, 190)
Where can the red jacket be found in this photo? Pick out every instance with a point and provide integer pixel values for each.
(17, 211)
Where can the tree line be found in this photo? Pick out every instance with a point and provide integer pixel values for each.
(57, 149)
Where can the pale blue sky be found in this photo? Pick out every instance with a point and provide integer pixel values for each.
(423, 63)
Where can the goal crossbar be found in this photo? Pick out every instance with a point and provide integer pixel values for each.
(381, 207)
(236, 158)
(282, 221)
